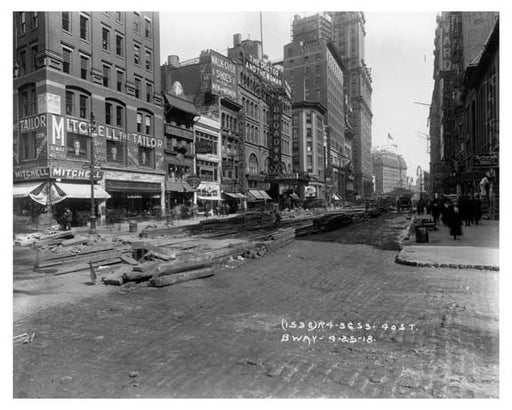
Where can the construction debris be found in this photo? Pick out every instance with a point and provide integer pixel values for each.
(181, 277)
(25, 338)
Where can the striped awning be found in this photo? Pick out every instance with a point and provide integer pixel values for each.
(258, 194)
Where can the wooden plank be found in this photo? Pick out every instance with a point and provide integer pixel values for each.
(128, 259)
(173, 268)
(181, 277)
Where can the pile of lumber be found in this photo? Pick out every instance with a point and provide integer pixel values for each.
(155, 264)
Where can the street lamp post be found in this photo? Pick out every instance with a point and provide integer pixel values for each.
(92, 168)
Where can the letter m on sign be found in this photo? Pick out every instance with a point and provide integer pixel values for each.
(57, 130)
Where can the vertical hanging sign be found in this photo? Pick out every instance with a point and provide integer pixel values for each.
(276, 110)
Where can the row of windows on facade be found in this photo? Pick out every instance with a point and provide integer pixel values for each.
(107, 75)
(27, 21)
(77, 104)
(85, 29)
(481, 120)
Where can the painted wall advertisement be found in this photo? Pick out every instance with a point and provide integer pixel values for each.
(48, 102)
(223, 76)
(263, 69)
(276, 110)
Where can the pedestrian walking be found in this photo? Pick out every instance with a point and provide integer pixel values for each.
(452, 217)
(435, 209)
(465, 210)
(68, 218)
(477, 209)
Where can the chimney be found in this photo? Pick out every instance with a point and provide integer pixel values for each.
(237, 39)
(173, 60)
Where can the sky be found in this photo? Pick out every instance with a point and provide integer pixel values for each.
(399, 51)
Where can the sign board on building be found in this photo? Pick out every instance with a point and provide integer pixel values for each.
(59, 126)
(55, 172)
(49, 103)
(204, 146)
(310, 191)
(263, 69)
(193, 181)
(486, 161)
(223, 76)
(275, 155)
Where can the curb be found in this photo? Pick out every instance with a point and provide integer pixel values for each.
(404, 235)
(402, 261)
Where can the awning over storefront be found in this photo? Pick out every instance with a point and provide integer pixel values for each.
(48, 193)
(209, 198)
(336, 197)
(258, 194)
(234, 195)
(83, 191)
(181, 186)
(112, 185)
(24, 189)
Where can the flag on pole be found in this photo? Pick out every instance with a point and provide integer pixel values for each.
(390, 137)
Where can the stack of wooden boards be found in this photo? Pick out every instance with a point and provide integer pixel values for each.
(161, 267)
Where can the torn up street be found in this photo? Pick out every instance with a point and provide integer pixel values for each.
(313, 308)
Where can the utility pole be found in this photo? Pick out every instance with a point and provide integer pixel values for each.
(92, 166)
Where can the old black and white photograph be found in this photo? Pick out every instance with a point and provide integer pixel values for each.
(236, 201)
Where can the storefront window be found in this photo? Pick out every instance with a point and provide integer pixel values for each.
(78, 146)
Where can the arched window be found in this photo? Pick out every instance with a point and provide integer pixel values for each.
(253, 164)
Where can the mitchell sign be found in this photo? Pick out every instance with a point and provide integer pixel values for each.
(56, 172)
(59, 126)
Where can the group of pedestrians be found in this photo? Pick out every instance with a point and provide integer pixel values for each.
(465, 209)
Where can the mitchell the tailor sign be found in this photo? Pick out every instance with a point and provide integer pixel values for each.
(59, 126)
(56, 172)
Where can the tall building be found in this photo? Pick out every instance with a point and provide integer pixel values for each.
(265, 97)
(349, 34)
(211, 81)
(87, 106)
(315, 73)
(180, 116)
(389, 170)
(481, 124)
(251, 101)
(310, 146)
(459, 39)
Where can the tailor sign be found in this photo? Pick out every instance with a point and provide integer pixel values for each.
(60, 126)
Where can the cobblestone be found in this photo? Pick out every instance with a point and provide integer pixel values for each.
(221, 336)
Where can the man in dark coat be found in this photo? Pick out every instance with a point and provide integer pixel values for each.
(435, 209)
(477, 209)
(453, 220)
(68, 218)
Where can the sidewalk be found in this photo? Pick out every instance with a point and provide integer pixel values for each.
(477, 248)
